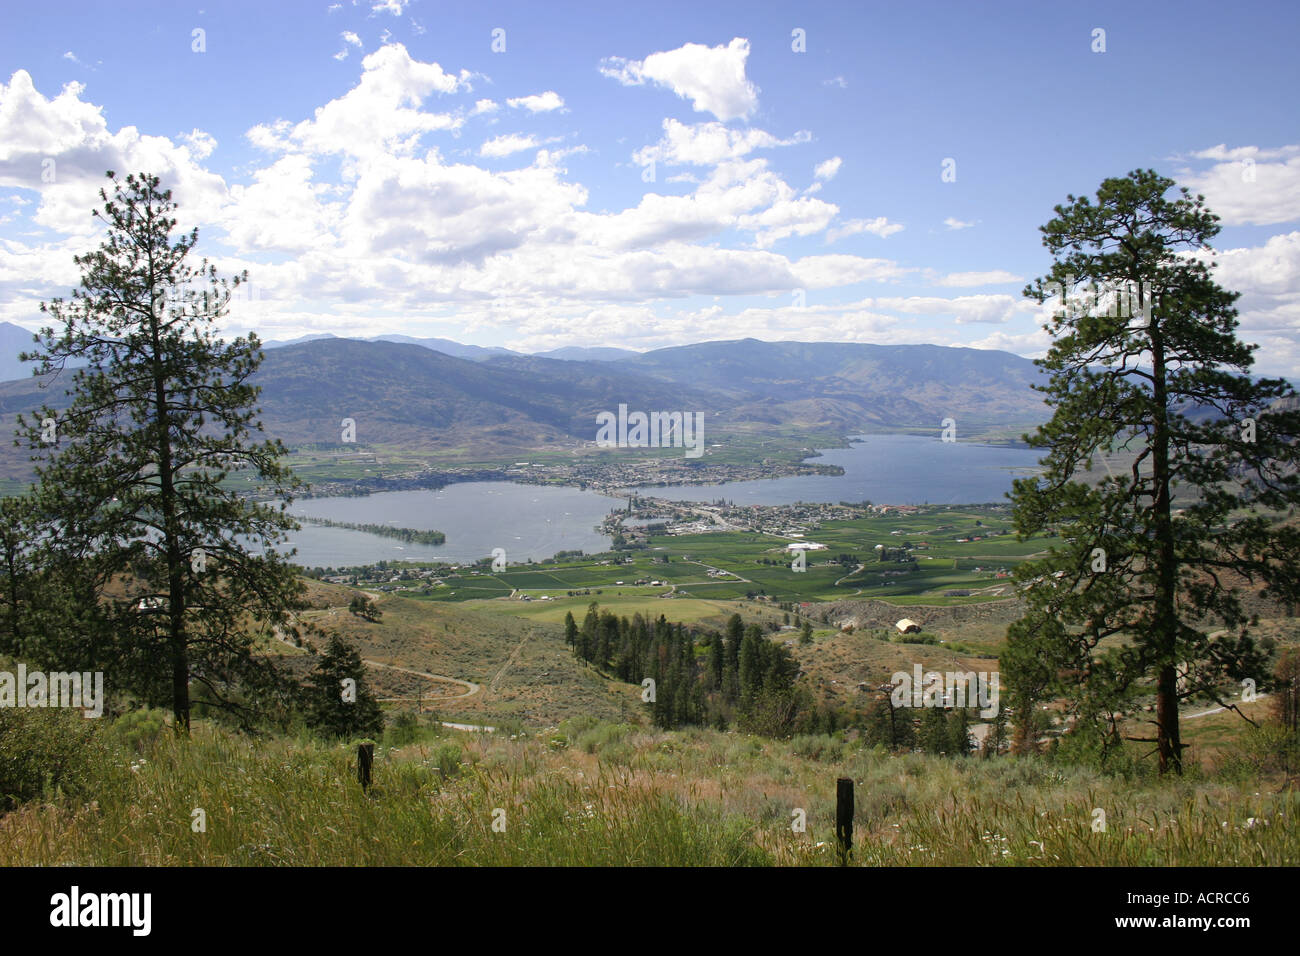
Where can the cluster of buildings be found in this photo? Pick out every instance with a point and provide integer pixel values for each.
(613, 472)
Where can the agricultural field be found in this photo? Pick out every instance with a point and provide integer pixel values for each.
(737, 446)
(729, 566)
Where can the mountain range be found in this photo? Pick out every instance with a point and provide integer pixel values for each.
(14, 339)
(411, 394)
(475, 353)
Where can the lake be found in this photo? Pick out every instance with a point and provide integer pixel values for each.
(884, 469)
(535, 521)
(528, 521)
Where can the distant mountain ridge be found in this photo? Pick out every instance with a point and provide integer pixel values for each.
(597, 354)
(408, 394)
(475, 352)
(405, 393)
(805, 384)
(14, 340)
(493, 402)
(445, 346)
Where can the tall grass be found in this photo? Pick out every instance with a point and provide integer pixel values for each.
(611, 795)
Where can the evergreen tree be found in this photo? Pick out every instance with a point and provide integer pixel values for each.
(18, 574)
(889, 725)
(587, 636)
(1286, 690)
(934, 735)
(362, 606)
(717, 658)
(751, 664)
(959, 737)
(995, 741)
(606, 638)
(639, 631)
(132, 472)
(339, 701)
(1151, 366)
(735, 634)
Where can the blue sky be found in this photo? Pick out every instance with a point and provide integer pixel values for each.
(379, 167)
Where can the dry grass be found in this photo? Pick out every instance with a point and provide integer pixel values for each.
(605, 794)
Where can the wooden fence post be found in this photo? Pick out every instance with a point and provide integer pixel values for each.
(844, 817)
(365, 758)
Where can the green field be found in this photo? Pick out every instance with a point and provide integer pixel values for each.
(740, 444)
(758, 564)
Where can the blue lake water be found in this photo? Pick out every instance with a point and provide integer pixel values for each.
(884, 469)
(527, 521)
(534, 522)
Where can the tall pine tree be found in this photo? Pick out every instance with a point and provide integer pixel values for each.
(1147, 361)
(161, 564)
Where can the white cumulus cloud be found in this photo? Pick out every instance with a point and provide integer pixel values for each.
(826, 171)
(880, 226)
(712, 78)
(505, 145)
(1249, 185)
(963, 308)
(708, 144)
(380, 114)
(62, 147)
(350, 214)
(538, 103)
(967, 279)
